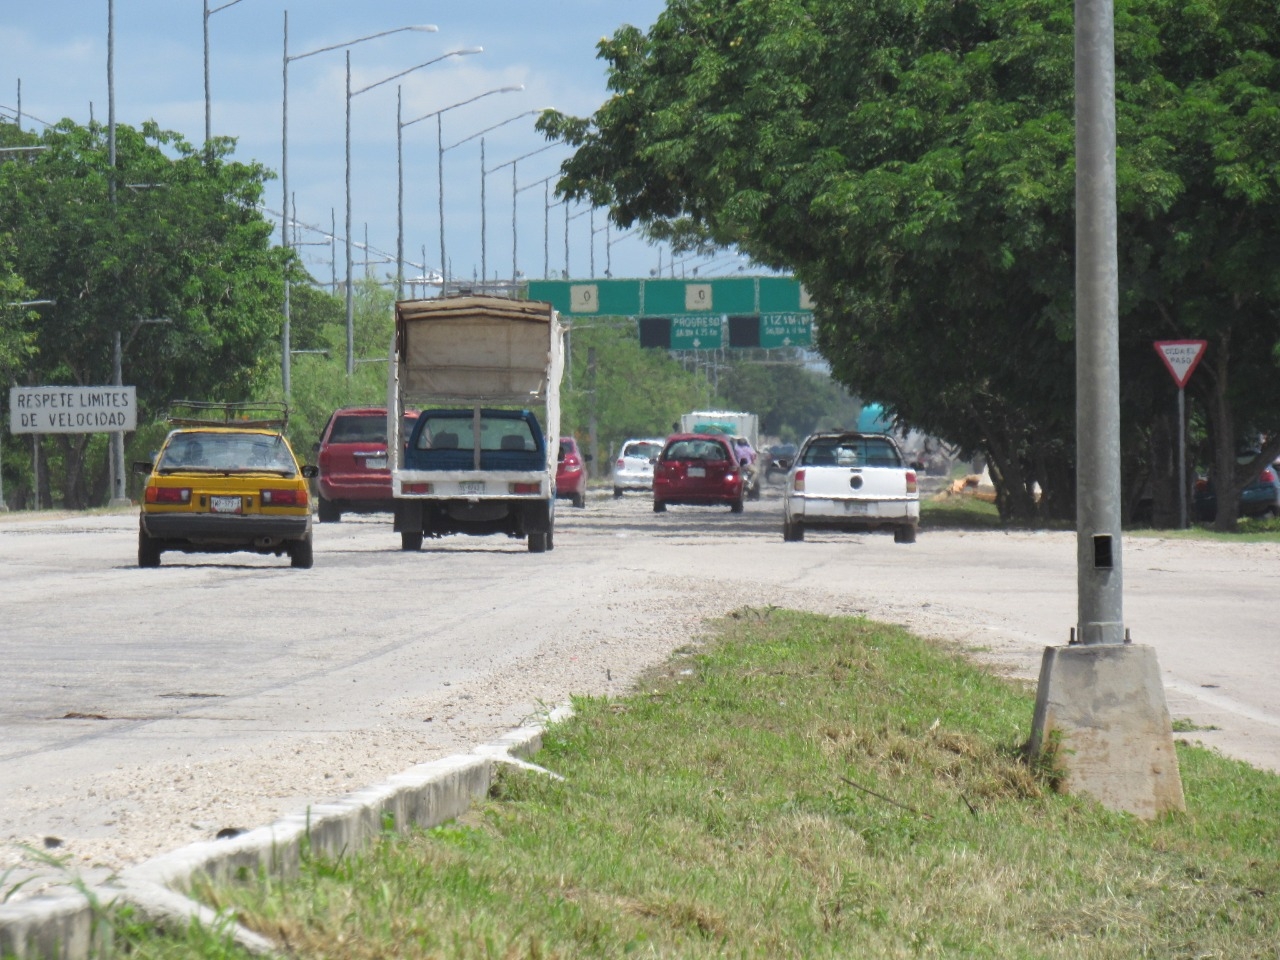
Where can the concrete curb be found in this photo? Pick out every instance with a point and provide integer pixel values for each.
(71, 927)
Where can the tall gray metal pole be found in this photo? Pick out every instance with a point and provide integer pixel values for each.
(484, 264)
(285, 346)
(1100, 613)
(351, 339)
(399, 200)
(444, 266)
(117, 436)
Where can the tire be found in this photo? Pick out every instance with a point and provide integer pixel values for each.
(904, 534)
(579, 500)
(328, 511)
(148, 550)
(617, 493)
(735, 507)
(300, 554)
(659, 506)
(792, 531)
(410, 539)
(551, 539)
(538, 542)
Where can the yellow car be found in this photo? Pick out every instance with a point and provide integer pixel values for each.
(226, 480)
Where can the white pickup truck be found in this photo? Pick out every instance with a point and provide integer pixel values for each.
(851, 481)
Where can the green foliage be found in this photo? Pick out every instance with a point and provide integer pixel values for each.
(172, 234)
(912, 162)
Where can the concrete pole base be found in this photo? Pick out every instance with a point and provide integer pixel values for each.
(1102, 722)
(120, 502)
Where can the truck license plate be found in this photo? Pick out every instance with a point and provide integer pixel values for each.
(855, 507)
(224, 504)
(697, 471)
(472, 486)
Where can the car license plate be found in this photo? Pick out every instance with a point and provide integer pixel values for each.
(376, 463)
(224, 504)
(697, 471)
(855, 507)
(472, 486)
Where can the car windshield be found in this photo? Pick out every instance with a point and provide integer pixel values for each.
(458, 433)
(710, 450)
(644, 451)
(851, 452)
(223, 452)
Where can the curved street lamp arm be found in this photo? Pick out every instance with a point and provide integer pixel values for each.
(421, 28)
(427, 116)
(444, 56)
(481, 133)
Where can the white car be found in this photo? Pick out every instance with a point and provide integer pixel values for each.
(851, 481)
(633, 468)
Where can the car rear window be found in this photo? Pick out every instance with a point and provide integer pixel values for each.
(457, 433)
(852, 452)
(708, 450)
(646, 451)
(197, 450)
(358, 429)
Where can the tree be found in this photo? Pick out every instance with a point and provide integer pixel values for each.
(171, 233)
(911, 161)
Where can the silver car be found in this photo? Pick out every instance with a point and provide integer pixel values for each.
(633, 467)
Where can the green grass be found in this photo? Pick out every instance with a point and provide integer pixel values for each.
(797, 787)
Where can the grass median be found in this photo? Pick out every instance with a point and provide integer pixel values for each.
(794, 786)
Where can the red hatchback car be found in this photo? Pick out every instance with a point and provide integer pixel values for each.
(352, 456)
(698, 469)
(571, 472)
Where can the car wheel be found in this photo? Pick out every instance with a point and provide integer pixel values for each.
(659, 506)
(904, 534)
(617, 492)
(328, 511)
(792, 531)
(148, 551)
(300, 554)
(551, 539)
(579, 500)
(410, 539)
(736, 506)
(537, 542)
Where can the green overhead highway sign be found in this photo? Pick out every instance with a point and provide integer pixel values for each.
(661, 297)
(786, 330)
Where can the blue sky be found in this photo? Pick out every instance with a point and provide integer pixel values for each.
(57, 51)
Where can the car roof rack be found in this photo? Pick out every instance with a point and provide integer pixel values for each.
(267, 414)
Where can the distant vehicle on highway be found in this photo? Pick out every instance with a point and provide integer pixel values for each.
(633, 468)
(352, 459)
(851, 481)
(698, 469)
(226, 480)
(571, 472)
(1261, 498)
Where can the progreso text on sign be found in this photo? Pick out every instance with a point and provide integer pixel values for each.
(72, 409)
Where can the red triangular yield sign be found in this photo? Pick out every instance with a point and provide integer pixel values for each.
(1181, 357)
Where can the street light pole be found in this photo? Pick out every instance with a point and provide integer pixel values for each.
(118, 497)
(400, 125)
(284, 161)
(208, 121)
(440, 149)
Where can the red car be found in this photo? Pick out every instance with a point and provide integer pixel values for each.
(700, 469)
(571, 472)
(352, 456)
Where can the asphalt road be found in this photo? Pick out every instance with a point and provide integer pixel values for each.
(141, 710)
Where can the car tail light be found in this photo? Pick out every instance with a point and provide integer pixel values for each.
(571, 461)
(1202, 485)
(523, 487)
(283, 498)
(1268, 475)
(621, 462)
(168, 495)
(415, 488)
(911, 481)
(797, 482)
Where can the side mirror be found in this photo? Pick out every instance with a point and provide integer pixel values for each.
(315, 447)
(143, 466)
(587, 458)
(310, 471)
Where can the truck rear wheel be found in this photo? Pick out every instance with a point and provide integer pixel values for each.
(328, 512)
(792, 531)
(904, 534)
(538, 542)
(410, 539)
